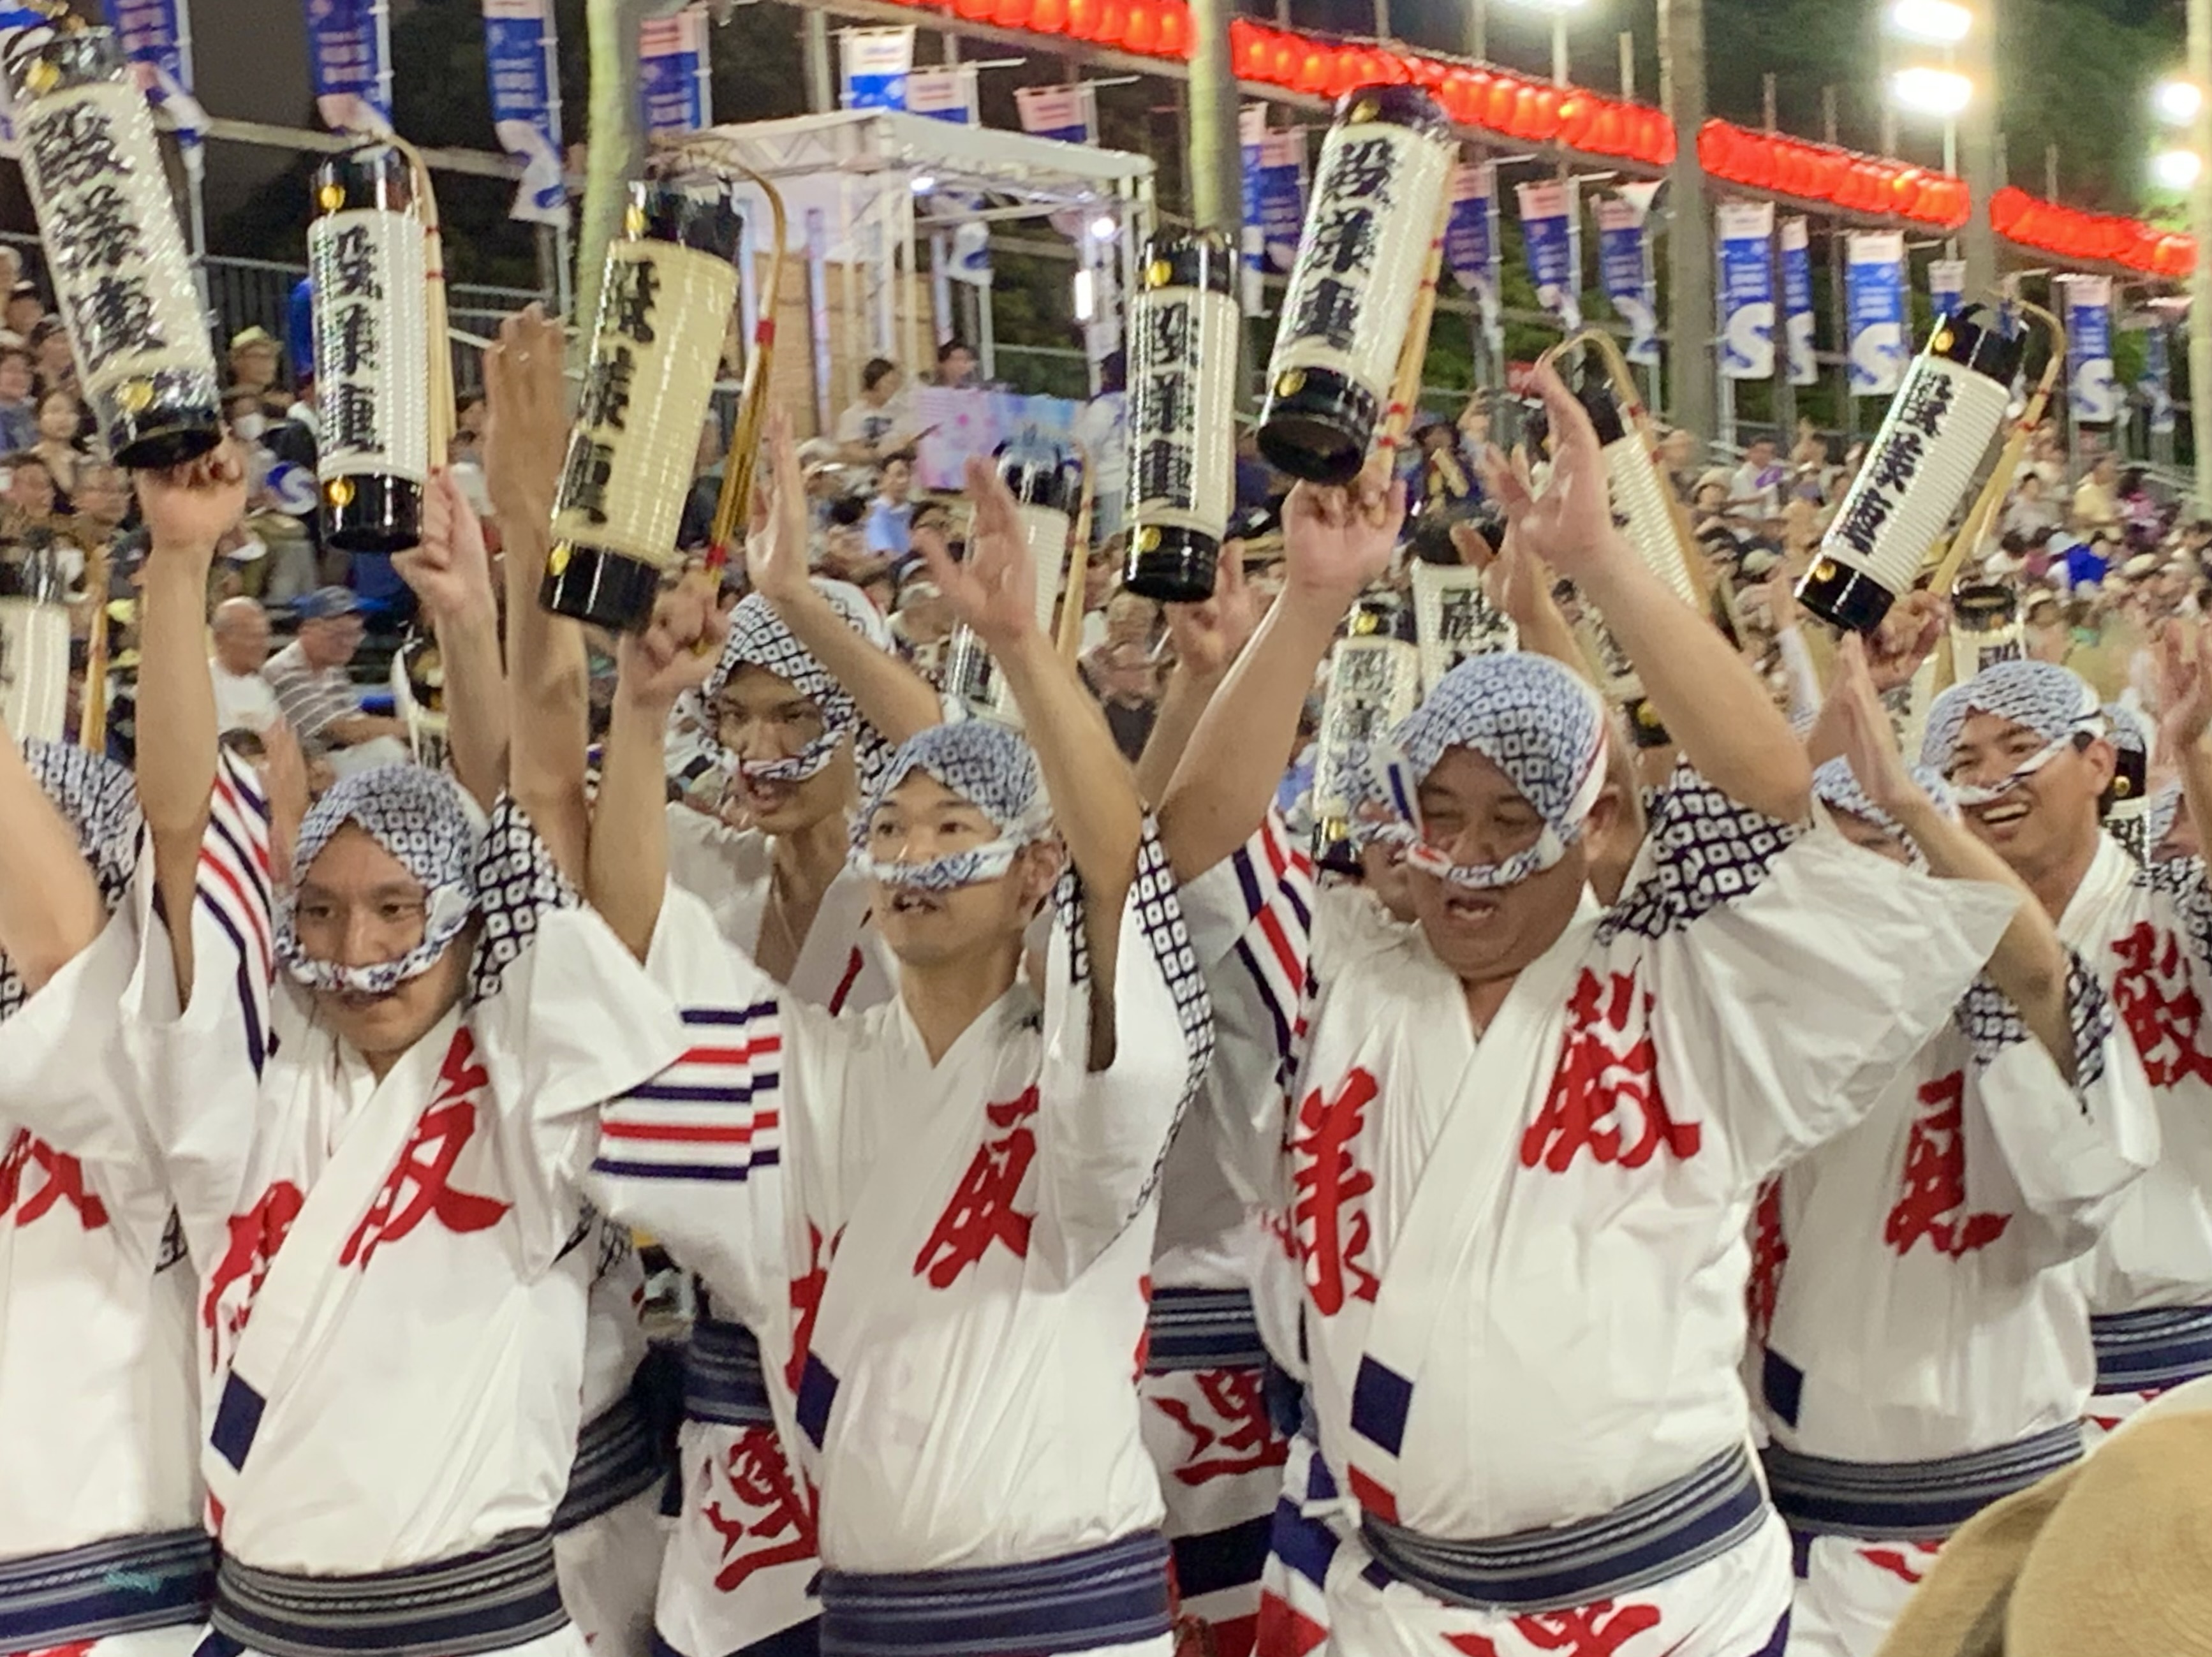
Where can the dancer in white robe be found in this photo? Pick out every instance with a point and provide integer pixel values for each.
(2024, 745)
(1527, 1133)
(936, 1216)
(102, 1552)
(1921, 1336)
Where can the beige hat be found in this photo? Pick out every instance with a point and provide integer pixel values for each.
(2111, 1557)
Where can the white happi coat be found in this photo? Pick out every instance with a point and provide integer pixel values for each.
(716, 1594)
(1597, 1150)
(410, 1258)
(944, 1264)
(98, 1408)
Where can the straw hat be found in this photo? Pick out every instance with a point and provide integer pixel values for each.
(2111, 1557)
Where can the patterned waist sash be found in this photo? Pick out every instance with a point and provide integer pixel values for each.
(1203, 1329)
(2139, 1351)
(501, 1596)
(1112, 1595)
(619, 1455)
(122, 1586)
(1909, 1501)
(1658, 1535)
(723, 1380)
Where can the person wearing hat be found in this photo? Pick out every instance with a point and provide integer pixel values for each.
(256, 362)
(1521, 1138)
(2025, 746)
(318, 696)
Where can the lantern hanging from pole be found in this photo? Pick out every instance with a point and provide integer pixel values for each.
(1047, 484)
(1455, 620)
(113, 246)
(1183, 328)
(1354, 290)
(666, 299)
(1938, 428)
(1653, 522)
(368, 257)
(1374, 685)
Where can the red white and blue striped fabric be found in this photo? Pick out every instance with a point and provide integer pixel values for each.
(1276, 877)
(236, 895)
(715, 1114)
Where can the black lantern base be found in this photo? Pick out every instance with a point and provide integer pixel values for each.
(1335, 851)
(370, 512)
(1316, 425)
(160, 419)
(1171, 566)
(1844, 597)
(1645, 728)
(605, 588)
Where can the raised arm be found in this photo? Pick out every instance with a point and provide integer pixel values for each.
(187, 511)
(628, 860)
(2030, 963)
(1207, 640)
(526, 437)
(2185, 713)
(451, 574)
(1334, 542)
(891, 695)
(49, 907)
(1520, 586)
(1705, 693)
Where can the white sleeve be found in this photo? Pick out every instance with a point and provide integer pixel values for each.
(1794, 974)
(68, 1071)
(1104, 1134)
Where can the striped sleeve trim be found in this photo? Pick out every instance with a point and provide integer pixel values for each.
(235, 892)
(715, 1114)
(1276, 947)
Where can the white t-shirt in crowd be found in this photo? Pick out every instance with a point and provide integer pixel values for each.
(243, 701)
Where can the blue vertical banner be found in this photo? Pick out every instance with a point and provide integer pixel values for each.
(1746, 289)
(157, 37)
(350, 57)
(1252, 242)
(1275, 198)
(1471, 237)
(672, 68)
(520, 59)
(875, 64)
(1797, 337)
(1947, 287)
(1552, 238)
(2155, 387)
(1068, 113)
(1874, 301)
(1625, 272)
(2090, 392)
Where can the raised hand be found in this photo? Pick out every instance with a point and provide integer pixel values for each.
(775, 558)
(1570, 526)
(1207, 637)
(1869, 745)
(1337, 539)
(1913, 629)
(1518, 587)
(526, 418)
(994, 590)
(284, 774)
(2185, 685)
(677, 651)
(188, 509)
(451, 570)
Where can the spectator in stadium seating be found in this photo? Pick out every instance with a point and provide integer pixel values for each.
(317, 696)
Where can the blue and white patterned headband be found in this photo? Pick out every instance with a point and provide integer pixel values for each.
(1837, 787)
(95, 797)
(2158, 819)
(1528, 716)
(423, 820)
(994, 770)
(2054, 702)
(758, 638)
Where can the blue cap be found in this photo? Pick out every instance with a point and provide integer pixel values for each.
(325, 604)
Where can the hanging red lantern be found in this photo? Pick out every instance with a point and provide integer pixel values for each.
(1048, 16)
(1574, 116)
(1504, 96)
(1175, 29)
(1608, 133)
(1313, 70)
(976, 11)
(1284, 62)
(1142, 27)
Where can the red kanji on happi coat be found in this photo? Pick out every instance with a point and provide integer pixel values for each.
(1596, 1631)
(1607, 1085)
(1327, 1188)
(255, 1237)
(1235, 1437)
(417, 1189)
(806, 1304)
(982, 1212)
(1908, 1560)
(768, 1523)
(1769, 1254)
(1935, 1193)
(64, 1183)
(2152, 994)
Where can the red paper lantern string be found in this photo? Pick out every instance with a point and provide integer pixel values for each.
(2091, 238)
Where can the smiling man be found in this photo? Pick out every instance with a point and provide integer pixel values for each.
(2025, 747)
(1524, 1133)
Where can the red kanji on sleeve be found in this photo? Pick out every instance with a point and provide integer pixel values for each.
(767, 1522)
(1234, 1436)
(1607, 1084)
(1936, 1179)
(255, 1237)
(418, 1188)
(64, 1183)
(1327, 1188)
(1769, 1254)
(982, 1212)
(2153, 996)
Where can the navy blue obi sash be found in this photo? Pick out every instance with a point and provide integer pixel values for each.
(1112, 1595)
(1203, 1329)
(2144, 1352)
(1909, 1501)
(125, 1585)
(723, 1380)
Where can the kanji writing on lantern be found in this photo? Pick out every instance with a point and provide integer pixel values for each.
(632, 286)
(1229, 1428)
(1361, 170)
(1328, 311)
(1327, 1189)
(1932, 1201)
(1897, 462)
(116, 315)
(1167, 333)
(99, 233)
(1467, 625)
(1860, 524)
(982, 1212)
(418, 1187)
(1607, 1085)
(590, 468)
(605, 401)
(765, 1522)
(74, 145)
(1169, 405)
(2153, 993)
(62, 1183)
(353, 346)
(1165, 471)
(352, 265)
(350, 417)
(1344, 238)
(1927, 400)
